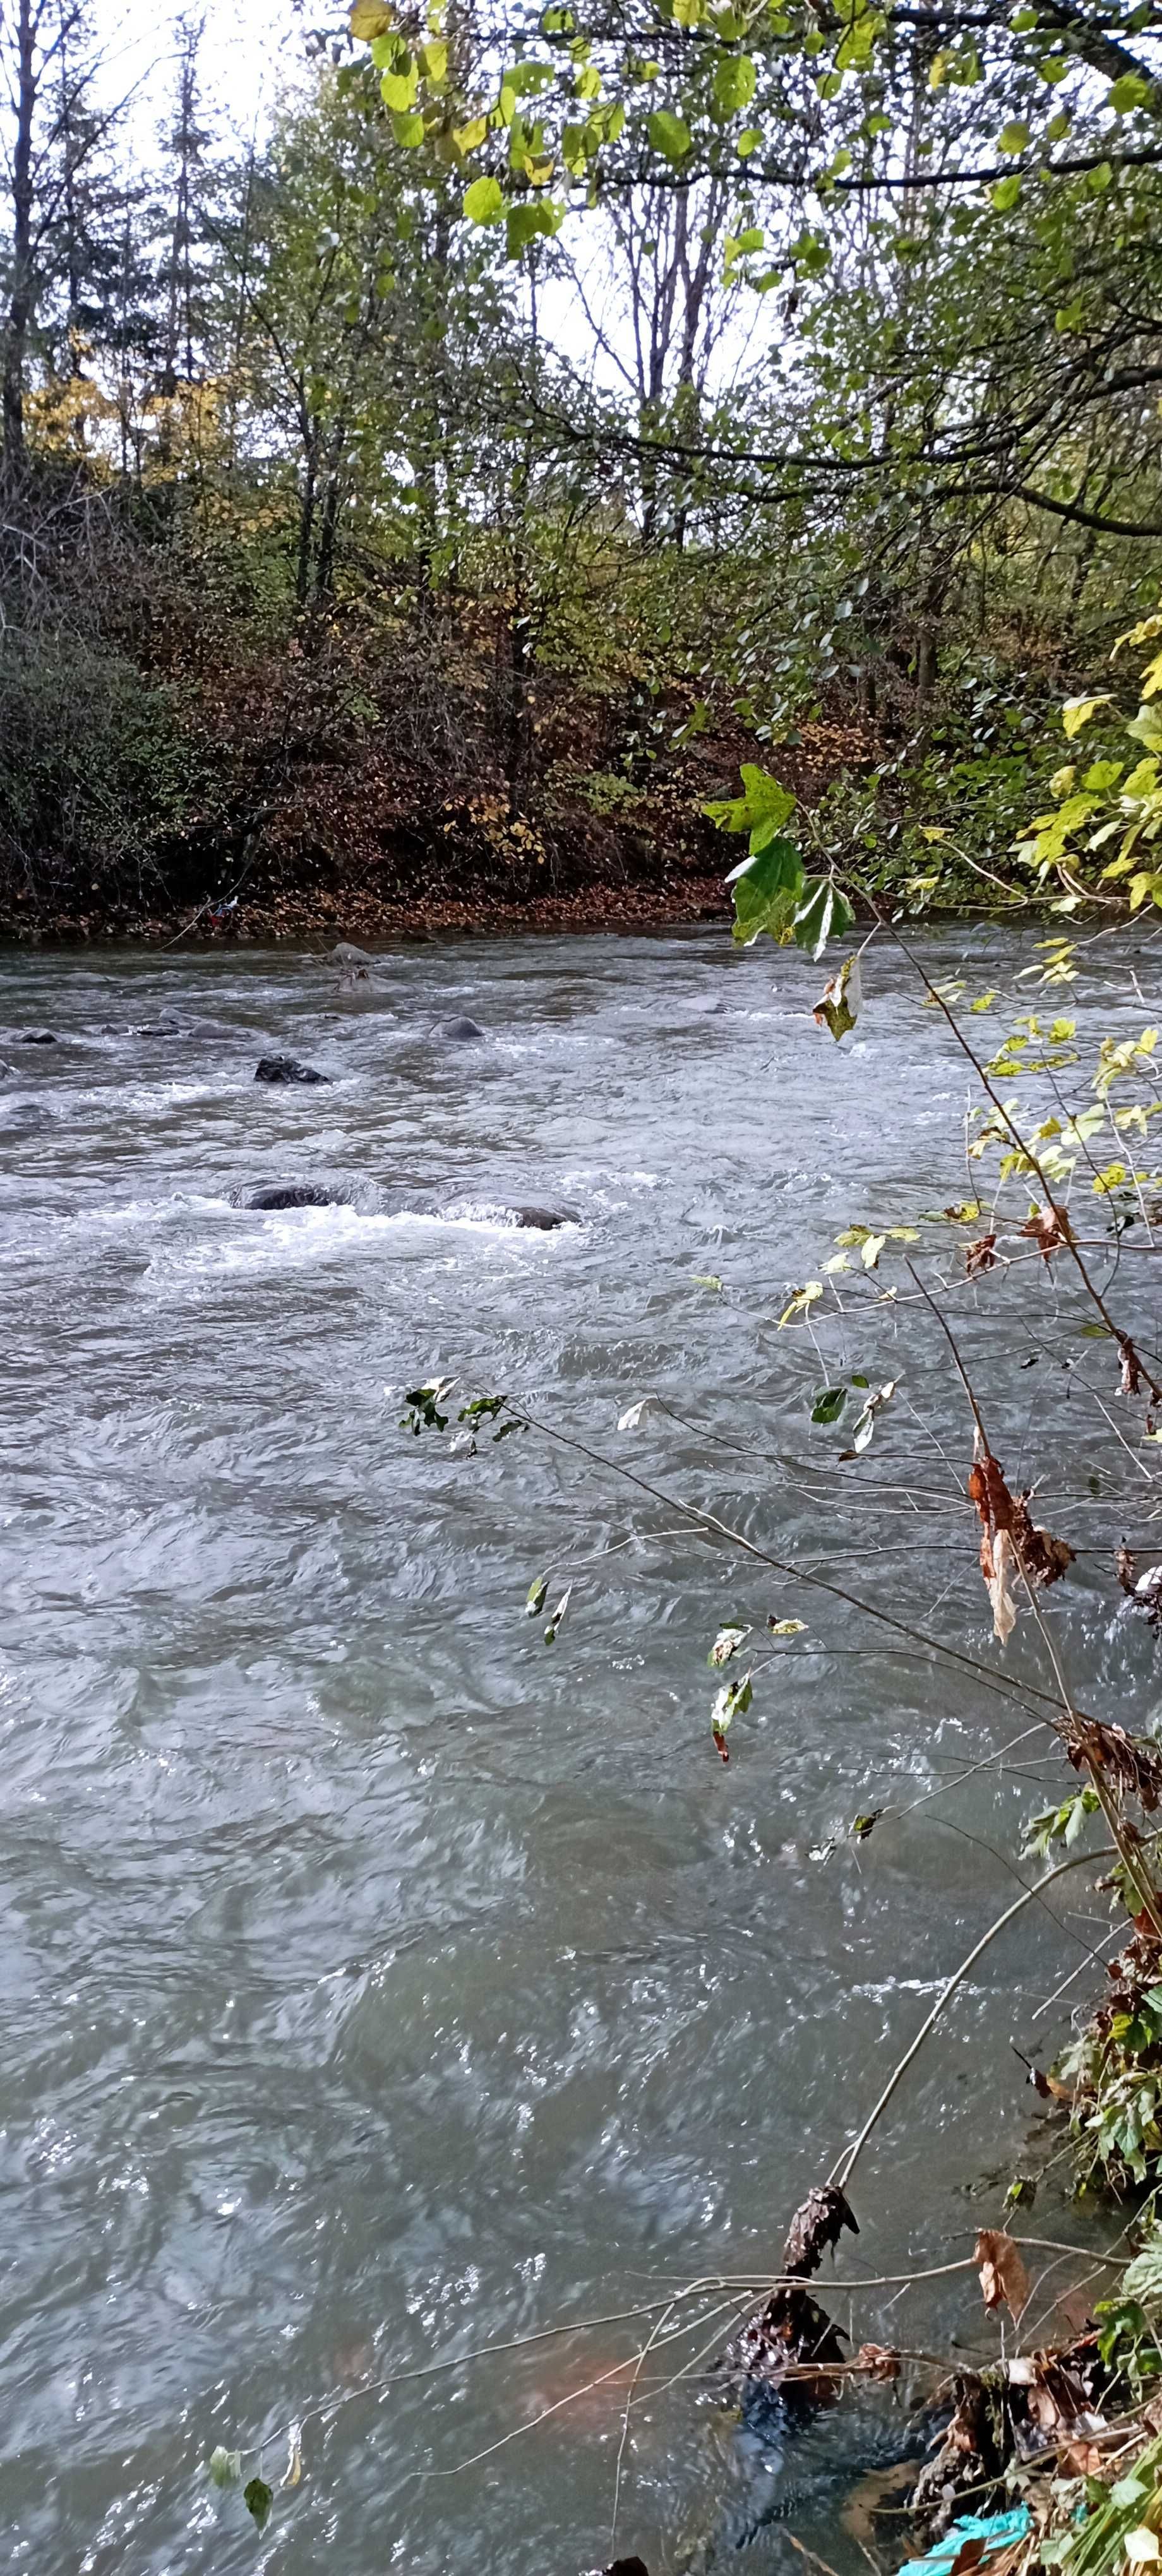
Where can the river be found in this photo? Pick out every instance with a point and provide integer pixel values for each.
(379, 1980)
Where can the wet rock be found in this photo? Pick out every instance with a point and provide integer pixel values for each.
(460, 1030)
(543, 1218)
(353, 963)
(38, 1037)
(286, 1068)
(162, 1027)
(6, 1069)
(504, 1212)
(289, 1194)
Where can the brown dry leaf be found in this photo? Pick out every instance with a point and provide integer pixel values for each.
(981, 1256)
(1004, 2280)
(998, 1562)
(1049, 1227)
(1004, 1517)
(1080, 2460)
(1130, 1380)
(1132, 1762)
(968, 2555)
(878, 2360)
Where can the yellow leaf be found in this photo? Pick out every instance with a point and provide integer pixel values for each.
(469, 137)
(1076, 712)
(872, 1249)
(370, 18)
(802, 1299)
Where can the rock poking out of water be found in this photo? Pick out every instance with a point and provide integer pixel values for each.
(484, 1211)
(286, 1068)
(5, 1070)
(39, 1037)
(161, 1027)
(544, 1219)
(289, 1194)
(460, 1029)
(353, 963)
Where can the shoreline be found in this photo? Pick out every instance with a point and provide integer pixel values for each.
(286, 922)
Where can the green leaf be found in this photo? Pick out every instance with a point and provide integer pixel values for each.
(484, 201)
(1015, 138)
(434, 61)
(766, 890)
(526, 223)
(408, 130)
(763, 801)
(1129, 92)
(535, 1597)
(829, 1404)
(1004, 196)
(668, 134)
(225, 2467)
(734, 85)
(823, 913)
(733, 1700)
(258, 2499)
(399, 89)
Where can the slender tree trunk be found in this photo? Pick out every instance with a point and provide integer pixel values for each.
(21, 296)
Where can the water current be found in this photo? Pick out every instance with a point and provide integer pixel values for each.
(379, 1981)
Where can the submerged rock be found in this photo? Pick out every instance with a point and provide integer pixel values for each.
(459, 1029)
(286, 1068)
(484, 1211)
(290, 1194)
(543, 1218)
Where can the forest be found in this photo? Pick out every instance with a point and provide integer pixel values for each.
(414, 510)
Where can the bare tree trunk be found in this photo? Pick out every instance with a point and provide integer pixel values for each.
(21, 297)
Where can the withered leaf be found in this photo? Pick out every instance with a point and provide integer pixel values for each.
(1130, 1377)
(981, 1256)
(1004, 2280)
(1010, 1543)
(1049, 1227)
(969, 2555)
(878, 2360)
(1080, 2460)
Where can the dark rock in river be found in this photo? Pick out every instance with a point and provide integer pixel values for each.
(544, 1219)
(162, 1027)
(286, 1068)
(38, 1037)
(459, 1028)
(290, 1194)
(504, 1212)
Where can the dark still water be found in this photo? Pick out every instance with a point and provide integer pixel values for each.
(379, 1981)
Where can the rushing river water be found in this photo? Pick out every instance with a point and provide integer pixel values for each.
(379, 1981)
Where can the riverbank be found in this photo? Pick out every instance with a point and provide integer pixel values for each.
(368, 848)
(365, 917)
